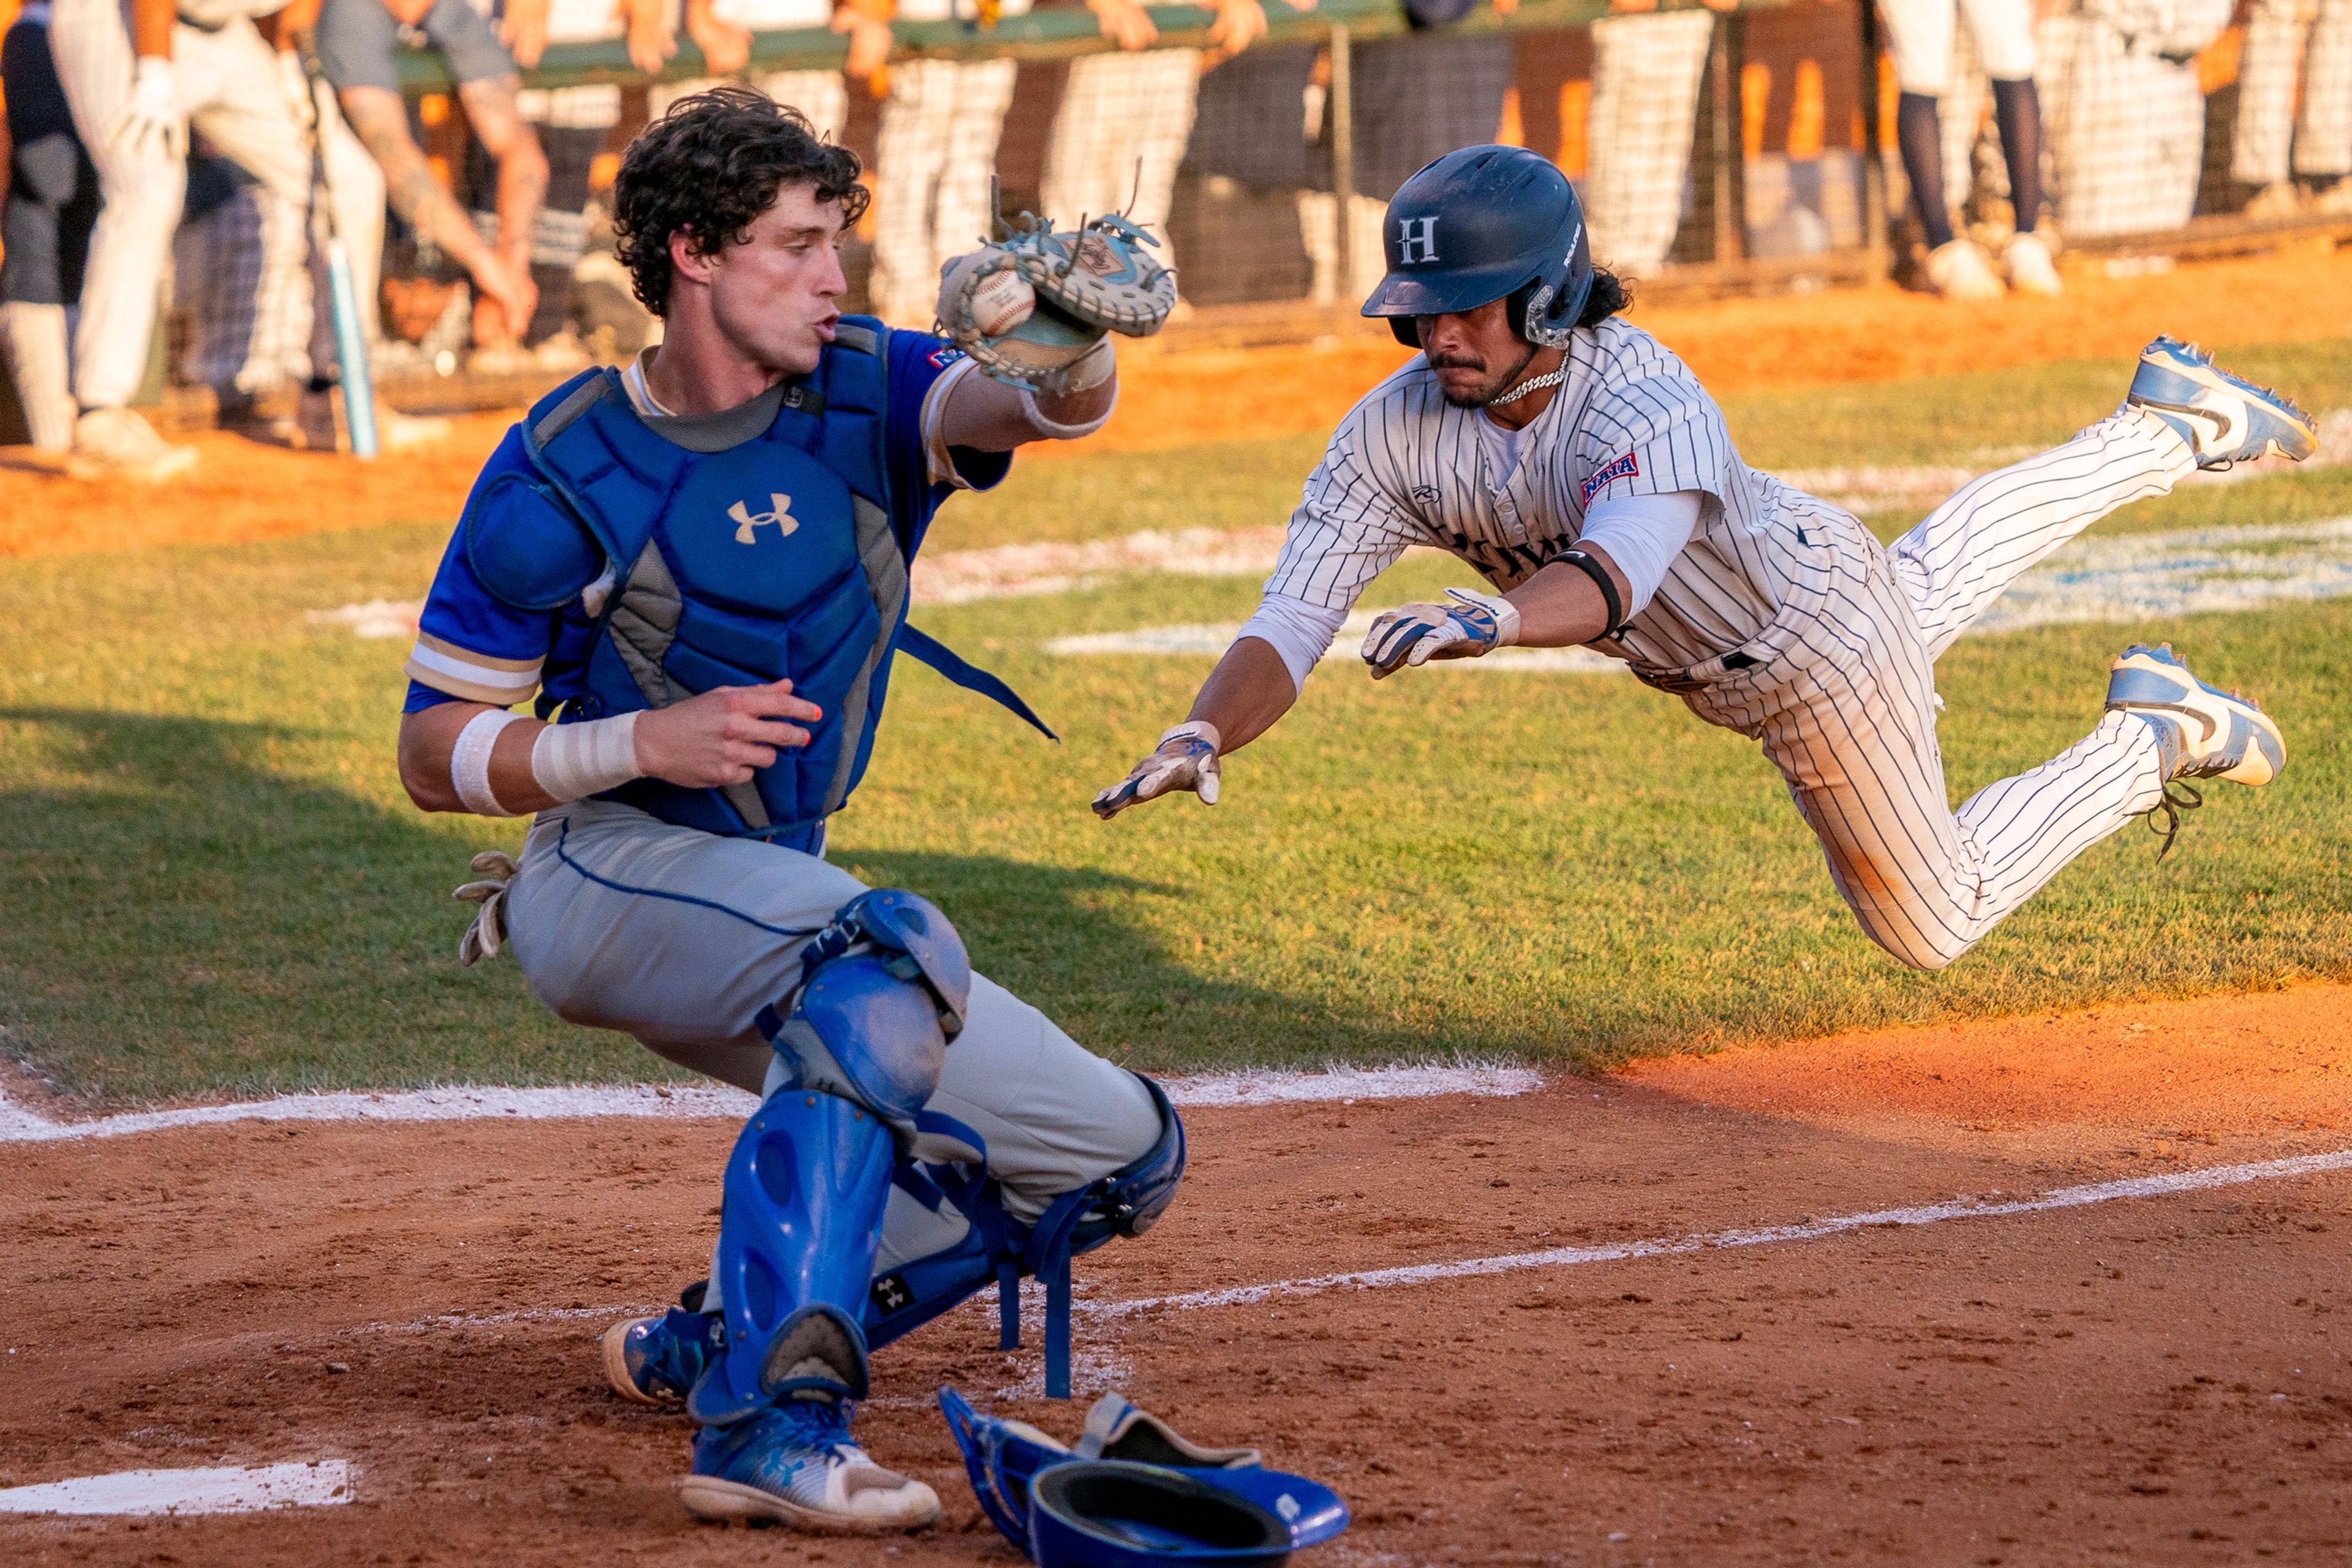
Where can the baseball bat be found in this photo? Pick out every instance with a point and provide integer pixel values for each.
(351, 342)
(351, 346)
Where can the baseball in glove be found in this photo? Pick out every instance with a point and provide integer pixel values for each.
(1029, 307)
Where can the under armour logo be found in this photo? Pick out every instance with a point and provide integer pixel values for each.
(747, 523)
(1416, 240)
(890, 1293)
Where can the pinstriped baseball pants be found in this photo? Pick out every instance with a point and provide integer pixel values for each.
(1842, 694)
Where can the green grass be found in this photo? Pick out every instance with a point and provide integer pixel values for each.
(1949, 419)
(214, 884)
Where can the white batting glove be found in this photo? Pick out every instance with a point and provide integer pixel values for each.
(153, 114)
(1474, 624)
(1187, 759)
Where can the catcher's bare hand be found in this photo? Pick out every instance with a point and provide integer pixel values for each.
(1187, 759)
(721, 736)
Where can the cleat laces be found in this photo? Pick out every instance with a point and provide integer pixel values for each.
(2170, 807)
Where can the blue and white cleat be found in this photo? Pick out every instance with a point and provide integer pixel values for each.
(795, 1463)
(2224, 418)
(2204, 733)
(655, 1361)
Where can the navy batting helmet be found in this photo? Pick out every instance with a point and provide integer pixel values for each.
(1487, 222)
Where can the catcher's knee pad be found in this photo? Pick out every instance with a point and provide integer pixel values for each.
(883, 990)
(1000, 1249)
(798, 1227)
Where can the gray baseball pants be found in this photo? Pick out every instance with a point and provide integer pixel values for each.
(679, 938)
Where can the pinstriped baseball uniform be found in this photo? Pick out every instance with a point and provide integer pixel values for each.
(1782, 618)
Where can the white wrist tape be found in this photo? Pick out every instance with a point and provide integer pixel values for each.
(470, 760)
(1088, 370)
(572, 762)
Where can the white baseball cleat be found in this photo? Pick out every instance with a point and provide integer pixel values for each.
(2027, 261)
(2224, 418)
(2211, 734)
(118, 443)
(795, 1463)
(1959, 269)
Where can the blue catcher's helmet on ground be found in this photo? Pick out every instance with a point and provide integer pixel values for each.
(1487, 222)
(1115, 1514)
(1006, 1461)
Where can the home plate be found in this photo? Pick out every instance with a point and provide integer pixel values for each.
(228, 1489)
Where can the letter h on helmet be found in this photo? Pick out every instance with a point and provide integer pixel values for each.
(1480, 225)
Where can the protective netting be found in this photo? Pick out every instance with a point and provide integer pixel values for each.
(1694, 137)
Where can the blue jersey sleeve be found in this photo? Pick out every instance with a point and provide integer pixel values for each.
(471, 645)
(918, 360)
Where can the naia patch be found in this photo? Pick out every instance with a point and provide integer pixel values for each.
(1628, 467)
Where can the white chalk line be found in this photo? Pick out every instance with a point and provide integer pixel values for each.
(1026, 570)
(320, 1483)
(2126, 578)
(718, 1102)
(2154, 1186)
(1668, 1247)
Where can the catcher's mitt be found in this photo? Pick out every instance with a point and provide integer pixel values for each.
(1029, 308)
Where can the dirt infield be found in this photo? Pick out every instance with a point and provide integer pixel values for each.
(2132, 1378)
(242, 491)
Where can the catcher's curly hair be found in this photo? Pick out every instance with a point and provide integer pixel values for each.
(709, 167)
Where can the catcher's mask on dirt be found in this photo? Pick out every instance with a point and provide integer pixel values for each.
(1483, 224)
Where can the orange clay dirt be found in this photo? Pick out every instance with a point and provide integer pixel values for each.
(2149, 1379)
(242, 491)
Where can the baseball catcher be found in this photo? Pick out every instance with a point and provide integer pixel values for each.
(698, 565)
(1581, 470)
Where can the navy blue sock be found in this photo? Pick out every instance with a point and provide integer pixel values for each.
(1922, 145)
(2017, 111)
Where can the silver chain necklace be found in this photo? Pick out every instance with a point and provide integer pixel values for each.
(1513, 393)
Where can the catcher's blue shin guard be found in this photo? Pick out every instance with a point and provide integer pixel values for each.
(797, 1231)
(883, 989)
(1000, 1248)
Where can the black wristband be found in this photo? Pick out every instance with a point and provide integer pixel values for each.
(1601, 580)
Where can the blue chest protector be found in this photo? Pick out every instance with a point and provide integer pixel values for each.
(774, 558)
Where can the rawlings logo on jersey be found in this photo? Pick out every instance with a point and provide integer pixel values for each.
(1628, 467)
